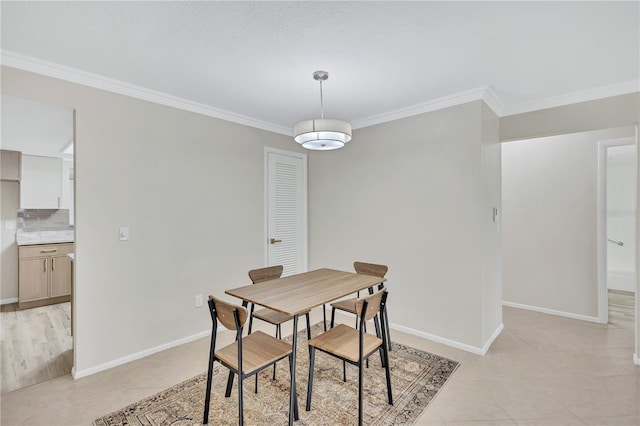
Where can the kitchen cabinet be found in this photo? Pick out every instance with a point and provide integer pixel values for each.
(10, 165)
(41, 183)
(44, 274)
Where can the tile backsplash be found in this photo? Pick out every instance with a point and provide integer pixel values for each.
(36, 220)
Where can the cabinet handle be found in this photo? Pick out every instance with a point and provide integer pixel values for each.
(49, 251)
(45, 265)
(53, 263)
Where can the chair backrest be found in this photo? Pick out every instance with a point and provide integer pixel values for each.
(265, 274)
(374, 304)
(370, 269)
(224, 312)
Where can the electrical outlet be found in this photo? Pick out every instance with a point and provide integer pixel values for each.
(198, 300)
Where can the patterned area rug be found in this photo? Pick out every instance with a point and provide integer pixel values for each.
(416, 377)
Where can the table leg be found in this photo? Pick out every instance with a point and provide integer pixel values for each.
(293, 403)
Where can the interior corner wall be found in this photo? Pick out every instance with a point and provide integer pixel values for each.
(492, 199)
(191, 190)
(409, 194)
(550, 204)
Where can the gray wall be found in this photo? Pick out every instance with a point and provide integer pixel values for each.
(416, 194)
(550, 202)
(190, 188)
(616, 111)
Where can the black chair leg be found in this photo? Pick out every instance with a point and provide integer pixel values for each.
(312, 355)
(360, 381)
(309, 327)
(296, 415)
(207, 399)
(240, 419)
(386, 326)
(227, 394)
(388, 373)
(324, 317)
(251, 318)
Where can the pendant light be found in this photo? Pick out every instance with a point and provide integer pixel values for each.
(322, 134)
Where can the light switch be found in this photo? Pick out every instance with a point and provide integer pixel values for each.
(124, 233)
(9, 225)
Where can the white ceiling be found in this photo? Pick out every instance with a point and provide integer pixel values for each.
(256, 59)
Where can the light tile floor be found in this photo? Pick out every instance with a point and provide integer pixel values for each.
(542, 370)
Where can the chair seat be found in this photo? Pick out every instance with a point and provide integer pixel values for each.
(348, 305)
(259, 350)
(343, 342)
(271, 316)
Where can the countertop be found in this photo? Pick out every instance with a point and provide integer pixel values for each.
(44, 237)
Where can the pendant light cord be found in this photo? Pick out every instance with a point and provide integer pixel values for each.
(321, 102)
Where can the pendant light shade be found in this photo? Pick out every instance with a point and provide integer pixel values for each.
(322, 133)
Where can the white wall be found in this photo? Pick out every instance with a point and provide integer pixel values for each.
(9, 203)
(416, 194)
(550, 221)
(190, 188)
(621, 217)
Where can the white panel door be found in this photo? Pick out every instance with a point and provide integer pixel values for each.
(286, 208)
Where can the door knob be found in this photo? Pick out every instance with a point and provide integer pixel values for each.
(273, 241)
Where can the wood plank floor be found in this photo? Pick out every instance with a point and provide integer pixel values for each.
(36, 345)
(621, 308)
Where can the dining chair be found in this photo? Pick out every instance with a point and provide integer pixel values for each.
(268, 315)
(246, 356)
(348, 305)
(354, 345)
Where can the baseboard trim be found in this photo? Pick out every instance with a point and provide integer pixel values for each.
(551, 311)
(9, 300)
(449, 342)
(78, 374)
(435, 338)
(493, 337)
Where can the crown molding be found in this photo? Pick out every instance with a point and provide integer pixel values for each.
(484, 93)
(50, 69)
(592, 94)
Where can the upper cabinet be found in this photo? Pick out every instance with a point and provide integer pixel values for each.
(10, 165)
(41, 184)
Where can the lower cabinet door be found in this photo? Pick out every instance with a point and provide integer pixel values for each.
(60, 276)
(33, 278)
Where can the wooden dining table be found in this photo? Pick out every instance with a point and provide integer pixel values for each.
(296, 294)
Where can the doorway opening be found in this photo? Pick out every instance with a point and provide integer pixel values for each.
(617, 179)
(38, 242)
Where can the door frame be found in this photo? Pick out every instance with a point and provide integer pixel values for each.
(603, 298)
(305, 222)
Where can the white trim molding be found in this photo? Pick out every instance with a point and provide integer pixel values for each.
(449, 342)
(551, 311)
(484, 93)
(494, 336)
(636, 359)
(592, 94)
(138, 355)
(62, 72)
(8, 300)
